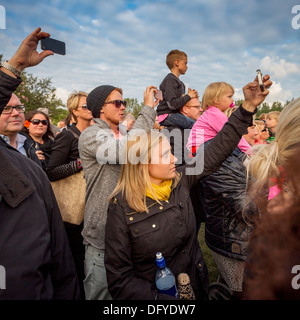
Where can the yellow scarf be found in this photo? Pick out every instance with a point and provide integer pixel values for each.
(162, 191)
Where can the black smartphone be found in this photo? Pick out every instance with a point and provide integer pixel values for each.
(260, 80)
(56, 46)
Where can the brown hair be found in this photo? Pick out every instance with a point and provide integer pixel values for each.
(49, 133)
(174, 55)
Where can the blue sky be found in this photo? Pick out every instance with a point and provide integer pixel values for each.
(124, 43)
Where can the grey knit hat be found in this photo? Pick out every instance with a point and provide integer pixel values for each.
(96, 98)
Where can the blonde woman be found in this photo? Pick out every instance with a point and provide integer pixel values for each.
(269, 161)
(263, 132)
(150, 209)
(272, 122)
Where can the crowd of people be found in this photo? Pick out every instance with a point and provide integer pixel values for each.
(149, 184)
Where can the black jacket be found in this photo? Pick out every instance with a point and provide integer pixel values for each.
(226, 232)
(133, 239)
(173, 90)
(32, 146)
(34, 248)
(64, 155)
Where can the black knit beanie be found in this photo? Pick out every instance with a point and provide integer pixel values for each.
(96, 98)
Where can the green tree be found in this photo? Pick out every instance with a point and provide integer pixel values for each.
(37, 93)
(133, 106)
(263, 108)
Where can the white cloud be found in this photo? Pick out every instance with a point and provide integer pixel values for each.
(279, 68)
(63, 94)
(277, 93)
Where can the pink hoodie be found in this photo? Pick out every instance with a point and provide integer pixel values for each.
(208, 125)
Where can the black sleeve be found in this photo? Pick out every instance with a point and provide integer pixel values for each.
(7, 86)
(62, 171)
(170, 95)
(210, 157)
(61, 149)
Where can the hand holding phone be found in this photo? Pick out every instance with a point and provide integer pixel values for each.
(260, 80)
(54, 45)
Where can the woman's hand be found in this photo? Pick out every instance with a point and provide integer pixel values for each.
(253, 95)
(40, 155)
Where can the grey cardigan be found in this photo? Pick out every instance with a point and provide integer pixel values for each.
(101, 156)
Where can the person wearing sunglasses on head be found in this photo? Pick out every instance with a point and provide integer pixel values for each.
(11, 123)
(39, 134)
(101, 148)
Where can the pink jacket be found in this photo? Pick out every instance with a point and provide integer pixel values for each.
(207, 126)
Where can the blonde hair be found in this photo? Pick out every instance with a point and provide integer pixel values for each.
(73, 101)
(263, 116)
(174, 55)
(229, 112)
(266, 159)
(273, 115)
(134, 178)
(214, 92)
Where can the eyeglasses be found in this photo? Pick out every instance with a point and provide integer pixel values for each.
(197, 107)
(117, 103)
(36, 122)
(84, 107)
(9, 109)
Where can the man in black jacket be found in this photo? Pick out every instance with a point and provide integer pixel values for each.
(34, 251)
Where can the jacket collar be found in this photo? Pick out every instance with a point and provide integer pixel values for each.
(15, 187)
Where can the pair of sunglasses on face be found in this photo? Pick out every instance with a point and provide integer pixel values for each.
(117, 103)
(36, 122)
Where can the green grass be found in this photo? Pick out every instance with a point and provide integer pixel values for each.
(211, 266)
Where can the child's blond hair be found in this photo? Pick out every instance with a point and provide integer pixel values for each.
(273, 115)
(174, 55)
(214, 92)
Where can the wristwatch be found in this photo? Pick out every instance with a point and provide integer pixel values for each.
(11, 68)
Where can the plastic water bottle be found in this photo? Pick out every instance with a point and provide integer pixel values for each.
(165, 280)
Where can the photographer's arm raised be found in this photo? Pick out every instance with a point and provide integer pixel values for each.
(27, 54)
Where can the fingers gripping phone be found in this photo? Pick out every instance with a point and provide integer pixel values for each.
(260, 80)
(56, 46)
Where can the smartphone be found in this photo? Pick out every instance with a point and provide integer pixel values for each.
(158, 95)
(56, 46)
(260, 80)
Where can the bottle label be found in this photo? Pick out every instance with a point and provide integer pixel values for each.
(172, 291)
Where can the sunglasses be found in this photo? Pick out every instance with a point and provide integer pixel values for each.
(9, 109)
(117, 103)
(36, 122)
(84, 107)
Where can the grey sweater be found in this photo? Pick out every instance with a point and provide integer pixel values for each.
(101, 155)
